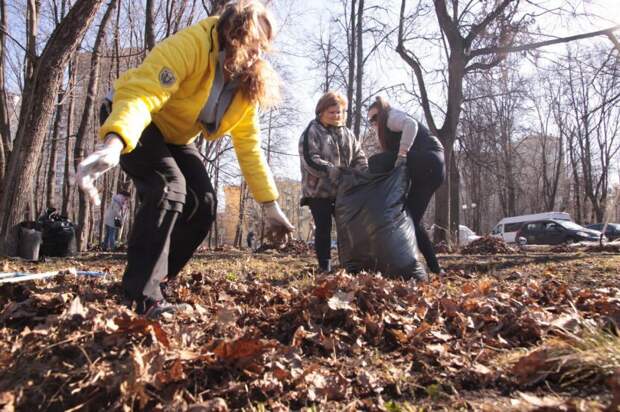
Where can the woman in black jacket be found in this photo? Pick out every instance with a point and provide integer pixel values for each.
(405, 141)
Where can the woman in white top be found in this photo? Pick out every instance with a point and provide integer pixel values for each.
(405, 141)
(113, 219)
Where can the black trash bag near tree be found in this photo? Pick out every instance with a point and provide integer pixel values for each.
(59, 235)
(375, 233)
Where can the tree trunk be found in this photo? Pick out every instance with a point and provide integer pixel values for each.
(39, 189)
(37, 110)
(455, 199)
(357, 117)
(52, 174)
(149, 26)
(351, 37)
(242, 200)
(269, 128)
(442, 205)
(87, 115)
(5, 124)
(68, 181)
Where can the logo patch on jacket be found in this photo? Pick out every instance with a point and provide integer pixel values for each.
(166, 77)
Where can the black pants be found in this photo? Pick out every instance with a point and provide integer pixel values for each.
(427, 172)
(177, 208)
(322, 211)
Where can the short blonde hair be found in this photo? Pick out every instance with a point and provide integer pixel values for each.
(330, 99)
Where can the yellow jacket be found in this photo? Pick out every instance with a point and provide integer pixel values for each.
(171, 87)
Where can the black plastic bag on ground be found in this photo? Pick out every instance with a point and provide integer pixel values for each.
(375, 233)
(59, 235)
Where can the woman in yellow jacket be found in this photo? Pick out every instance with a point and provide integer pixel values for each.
(208, 78)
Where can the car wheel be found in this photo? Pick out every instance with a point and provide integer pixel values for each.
(570, 241)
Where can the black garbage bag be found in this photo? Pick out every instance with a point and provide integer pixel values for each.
(59, 235)
(375, 233)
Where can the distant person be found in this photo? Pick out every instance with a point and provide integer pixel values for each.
(325, 147)
(209, 78)
(250, 239)
(113, 219)
(404, 141)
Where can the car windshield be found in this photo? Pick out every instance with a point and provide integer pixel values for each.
(570, 225)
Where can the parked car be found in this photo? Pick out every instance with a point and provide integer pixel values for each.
(554, 232)
(466, 235)
(612, 232)
(506, 229)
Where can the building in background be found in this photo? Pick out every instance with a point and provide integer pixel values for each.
(242, 214)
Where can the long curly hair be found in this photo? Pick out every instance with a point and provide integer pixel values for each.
(383, 108)
(245, 30)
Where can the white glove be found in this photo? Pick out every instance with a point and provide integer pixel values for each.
(400, 160)
(100, 161)
(277, 223)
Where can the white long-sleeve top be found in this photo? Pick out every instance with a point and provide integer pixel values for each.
(399, 121)
(117, 208)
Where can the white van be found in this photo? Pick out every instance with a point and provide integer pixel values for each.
(506, 228)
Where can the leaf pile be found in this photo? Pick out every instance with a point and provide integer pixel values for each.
(487, 245)
(612, 247)
(338, 342)
(442, 247)
(292, 247)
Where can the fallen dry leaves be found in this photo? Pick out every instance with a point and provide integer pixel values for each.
(267, 333)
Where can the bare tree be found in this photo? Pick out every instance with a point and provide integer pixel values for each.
(68, 184)
(149, 26)
(594, 125)
(476, 37)
(87, 116)
(35, 115)
(5, 126)
(51, 173)
(551, 144)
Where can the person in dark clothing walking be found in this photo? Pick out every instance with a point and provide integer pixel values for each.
(250, 239)
(324, 148)
(209, 78)
(404, 141)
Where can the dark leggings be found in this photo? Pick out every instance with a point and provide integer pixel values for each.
(427, 173)
(177, 208)
(322, 211)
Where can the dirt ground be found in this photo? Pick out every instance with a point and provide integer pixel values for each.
(535, 331)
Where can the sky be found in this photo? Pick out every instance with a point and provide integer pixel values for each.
(302, 21)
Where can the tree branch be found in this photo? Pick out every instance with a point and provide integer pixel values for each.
(614, 40)
(499, 50)
(6, 33)
(485, 66)
(476, 29)
(415, 65)
(446, 23)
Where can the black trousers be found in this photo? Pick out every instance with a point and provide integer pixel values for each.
(427, 172)
(177, 208)
(322, 211)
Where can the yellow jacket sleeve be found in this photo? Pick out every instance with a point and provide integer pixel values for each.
(246, 141)
(145, 89)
